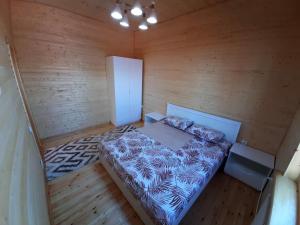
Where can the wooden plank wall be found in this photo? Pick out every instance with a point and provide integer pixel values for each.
(238, 59)
(289, 146)
(61, 57)
(22, 185)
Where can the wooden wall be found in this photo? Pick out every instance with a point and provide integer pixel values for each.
(238, 59)
(22, 184)
(289, 145)
(61, 56)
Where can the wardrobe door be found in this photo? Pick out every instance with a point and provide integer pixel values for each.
(111, 88)
(121, 87)
(135, 89)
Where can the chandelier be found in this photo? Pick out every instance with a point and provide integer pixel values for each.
(147, 13)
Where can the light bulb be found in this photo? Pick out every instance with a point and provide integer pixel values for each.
(117, 12)
(124, 22)
(137, 9)
(143, 26)
(152, 18)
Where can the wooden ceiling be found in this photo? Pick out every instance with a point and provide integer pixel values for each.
(100, 9)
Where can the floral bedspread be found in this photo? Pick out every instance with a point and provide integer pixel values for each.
(164, 180)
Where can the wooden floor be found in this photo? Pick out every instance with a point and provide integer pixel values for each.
(90, 197)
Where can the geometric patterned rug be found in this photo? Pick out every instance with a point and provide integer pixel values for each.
(76, 154)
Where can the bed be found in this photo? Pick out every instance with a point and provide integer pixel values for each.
(162, 170)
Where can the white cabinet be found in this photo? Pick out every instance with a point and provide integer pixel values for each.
(125, 89)
(249, 165)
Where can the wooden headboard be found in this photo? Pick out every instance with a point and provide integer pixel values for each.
(229, 127)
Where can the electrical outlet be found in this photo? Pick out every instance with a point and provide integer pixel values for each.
(30, 129)
(244, 142)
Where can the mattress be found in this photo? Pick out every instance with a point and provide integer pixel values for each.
(164, 180)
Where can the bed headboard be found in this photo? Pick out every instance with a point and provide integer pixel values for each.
(229, 127)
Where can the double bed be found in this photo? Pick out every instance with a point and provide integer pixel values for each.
(162, 170)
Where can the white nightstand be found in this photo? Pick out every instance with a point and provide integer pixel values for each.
(153, 117)
(249, 165)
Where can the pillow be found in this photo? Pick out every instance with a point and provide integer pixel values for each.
(178, 122)
(205, 133)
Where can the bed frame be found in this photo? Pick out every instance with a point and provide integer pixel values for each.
(229, 127)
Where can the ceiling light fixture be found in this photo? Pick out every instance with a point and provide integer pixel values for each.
(147, 13)
(117, 12)
(136, 9)
(152, 18)
(124, 22)
(143, 25)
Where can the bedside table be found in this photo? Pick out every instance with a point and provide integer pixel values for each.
(249, 165)
(153, 117)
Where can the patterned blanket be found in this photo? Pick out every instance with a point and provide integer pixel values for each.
(164, 180)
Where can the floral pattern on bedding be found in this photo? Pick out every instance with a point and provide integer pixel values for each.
(164, 180)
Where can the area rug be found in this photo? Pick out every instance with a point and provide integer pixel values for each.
(76, 154)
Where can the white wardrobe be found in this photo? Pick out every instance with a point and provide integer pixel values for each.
(125, 89)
